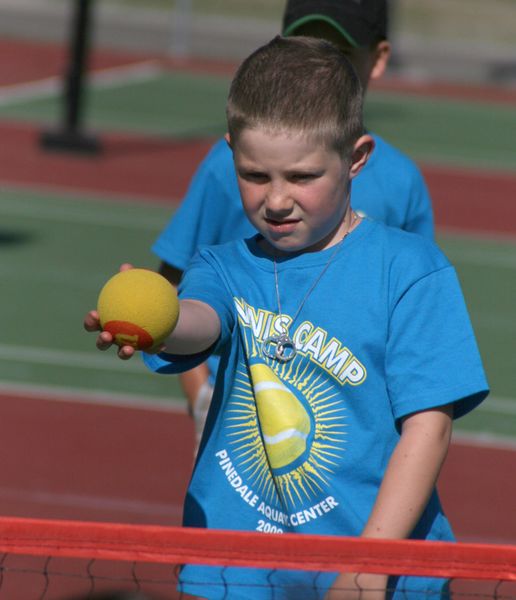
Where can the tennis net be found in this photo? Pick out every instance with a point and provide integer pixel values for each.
(73, 560)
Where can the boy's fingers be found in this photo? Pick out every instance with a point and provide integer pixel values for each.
(126, 352)
(91, 321)
(104, 340)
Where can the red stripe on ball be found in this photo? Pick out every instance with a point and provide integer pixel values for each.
(129, 334)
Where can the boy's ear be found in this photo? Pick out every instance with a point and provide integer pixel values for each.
(228, 139)
(362, 150)
(382, 54)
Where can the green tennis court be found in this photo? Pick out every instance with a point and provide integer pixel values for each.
(59, 248)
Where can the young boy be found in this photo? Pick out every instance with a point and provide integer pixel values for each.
(345, 345)
(390, 188)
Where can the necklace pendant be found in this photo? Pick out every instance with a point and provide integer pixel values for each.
(279, 347)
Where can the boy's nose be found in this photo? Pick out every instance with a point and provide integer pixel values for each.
(278, 200)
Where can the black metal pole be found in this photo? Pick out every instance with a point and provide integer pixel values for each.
(69, 136)
(78, 52)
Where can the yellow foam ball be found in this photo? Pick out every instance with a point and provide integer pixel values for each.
(138, 307)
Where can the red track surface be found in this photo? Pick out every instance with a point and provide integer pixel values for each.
(129, 166)
(73, 460)
(473, 200)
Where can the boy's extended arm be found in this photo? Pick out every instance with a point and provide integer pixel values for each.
(408, 483)
(198, 328)
(191, 381)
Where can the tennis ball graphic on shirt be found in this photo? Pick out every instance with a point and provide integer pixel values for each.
(284, 421)
(138, 307)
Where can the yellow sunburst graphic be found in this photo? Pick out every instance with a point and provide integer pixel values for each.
(286, 419)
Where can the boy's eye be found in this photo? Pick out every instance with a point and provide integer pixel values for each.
(302, 177)
(254, 176)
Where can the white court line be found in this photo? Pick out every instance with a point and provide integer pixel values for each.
(68, 358)
(84, 501)
(484, 440)
(499, 406)
(129, 401)
(90, 360)
(95, 397)
(105, 78)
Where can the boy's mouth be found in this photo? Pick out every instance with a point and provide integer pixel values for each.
(283, 226)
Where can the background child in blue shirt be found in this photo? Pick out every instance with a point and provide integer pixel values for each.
(346, 348)
(390, 188)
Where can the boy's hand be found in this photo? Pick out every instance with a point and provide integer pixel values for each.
(358, 586)
(105, 339)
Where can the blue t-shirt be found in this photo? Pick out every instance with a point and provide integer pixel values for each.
(389, 189)
(302, 446)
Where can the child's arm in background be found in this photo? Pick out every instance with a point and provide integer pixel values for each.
(406, 488)
(198, 328)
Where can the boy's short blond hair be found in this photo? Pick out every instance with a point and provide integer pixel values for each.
(298, 84)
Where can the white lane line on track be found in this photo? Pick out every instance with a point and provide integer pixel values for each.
(85, 501)
(104, 78)
(68, 358)
(484, 440)
(127, 401)
(499, 406)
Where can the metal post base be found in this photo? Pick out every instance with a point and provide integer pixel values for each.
(70, 141)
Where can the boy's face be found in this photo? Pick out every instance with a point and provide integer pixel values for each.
(294, 191)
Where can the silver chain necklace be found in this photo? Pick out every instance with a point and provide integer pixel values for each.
(281, 347)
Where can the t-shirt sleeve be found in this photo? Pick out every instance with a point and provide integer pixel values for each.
(432, 357)
(173, 364)
(189, 228)
(204, 281)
